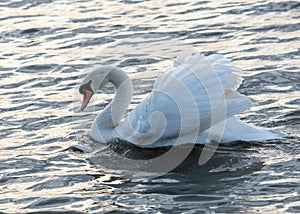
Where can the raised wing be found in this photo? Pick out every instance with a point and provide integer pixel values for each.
(194, 94)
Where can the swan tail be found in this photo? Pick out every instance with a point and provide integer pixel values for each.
(237, 130)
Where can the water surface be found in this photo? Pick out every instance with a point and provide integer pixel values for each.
(48, 46)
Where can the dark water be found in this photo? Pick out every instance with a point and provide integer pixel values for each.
(48, 162)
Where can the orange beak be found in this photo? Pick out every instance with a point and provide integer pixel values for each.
(86, 98)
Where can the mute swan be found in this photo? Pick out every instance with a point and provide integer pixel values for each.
(197, 96)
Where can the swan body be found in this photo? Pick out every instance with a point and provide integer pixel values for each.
(194, 101)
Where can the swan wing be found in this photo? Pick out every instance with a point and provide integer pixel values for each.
(194, 94)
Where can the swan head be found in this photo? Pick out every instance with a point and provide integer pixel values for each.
(94, 81)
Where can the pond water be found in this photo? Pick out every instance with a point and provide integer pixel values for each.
(49, 163)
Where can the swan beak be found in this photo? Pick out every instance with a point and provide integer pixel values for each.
(86, 98)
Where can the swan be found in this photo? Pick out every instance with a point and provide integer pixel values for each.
(195, 100)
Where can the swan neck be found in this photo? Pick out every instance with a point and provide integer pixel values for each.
(114, 112)
(117, 77)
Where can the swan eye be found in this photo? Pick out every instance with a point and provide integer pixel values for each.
(85, 87)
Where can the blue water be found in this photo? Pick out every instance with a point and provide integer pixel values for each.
(49, 163)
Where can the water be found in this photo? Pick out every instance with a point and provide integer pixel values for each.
(48, 163)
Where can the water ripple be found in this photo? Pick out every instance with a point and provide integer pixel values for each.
(48, 162)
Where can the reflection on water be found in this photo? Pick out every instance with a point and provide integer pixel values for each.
(48, 162)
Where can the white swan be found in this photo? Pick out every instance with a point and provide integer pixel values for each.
(194, 101)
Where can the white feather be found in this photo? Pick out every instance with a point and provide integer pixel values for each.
(196, 99)
(199, 76)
